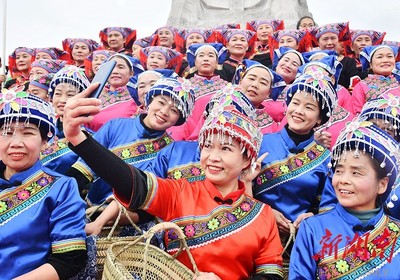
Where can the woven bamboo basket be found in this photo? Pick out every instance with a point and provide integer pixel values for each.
(108, 236)
(141, 260)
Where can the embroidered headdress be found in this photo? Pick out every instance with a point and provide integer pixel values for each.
(72, 75)
(361, 136)
(231, 117)
(179, 90)
(194, 49)
(22, 108)
(320, 87)
(368, 52)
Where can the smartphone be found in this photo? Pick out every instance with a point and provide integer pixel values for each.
(102, 76)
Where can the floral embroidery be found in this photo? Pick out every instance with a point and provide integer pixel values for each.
(135, 151)
(294, 163)
(381, 243)
(109, 99)
(190, 172)
(213, 224)
(203, 88)
(342, 266)
(24, 195)
(378, 84)
(224, 220)
(59, 146)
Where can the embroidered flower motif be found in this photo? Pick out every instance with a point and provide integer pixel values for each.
(245, 206)
(298, 162)
(213, 224)
(190, 230)
(23, 195)
(62, 145)
(9, 99)
(342, 266)
(311, 155)
(141, 148)
(177, 174)
(3, 206)
(43, 181)
(195, 171)
(125, 153)
(284, 169)
(269, 174)
(393, 227)
(231, 217)
(172, 235)
(363, 254)
(156, 146)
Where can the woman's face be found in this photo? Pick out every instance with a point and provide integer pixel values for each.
(136, 51)
(356, 182)
(256, 85)
(303, 113)
(306, 23)
(20, 147)
(23, 61)
(206, 61)
(328, 41)
(166, 37)
(194, 38)
(97, 61)
(360, 43)
(288, 41)
(237, 46)
(115, 40)
(42, 55)
(287, 66)
(161, 113)
(146, 81)
(121, 73)
(222, 162)
(39, 92)
(383, 61)
(62, 93)
(37, 72)
(156, 60)
(263, 31)
(79, 52)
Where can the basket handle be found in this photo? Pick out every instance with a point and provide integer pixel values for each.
(183, 244)
(114, 226)
(292, 237)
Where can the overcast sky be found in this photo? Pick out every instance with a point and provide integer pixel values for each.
(45, 23)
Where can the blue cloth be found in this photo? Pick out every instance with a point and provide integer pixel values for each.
(179, 160)
(43, 215)
(292, 177)
(132, 142)
(331, 232)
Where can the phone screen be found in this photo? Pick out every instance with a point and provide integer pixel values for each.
(102, 76)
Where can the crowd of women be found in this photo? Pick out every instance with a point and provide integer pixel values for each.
(243, 137)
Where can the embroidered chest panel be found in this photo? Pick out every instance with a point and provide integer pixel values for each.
(21, 198)
(378, 85)
(363, 254)
(263, 119)
(204, 86)
(222, 222)
(142, 150)
(290, 167)
(338, 115)
(55, 150)
(108, 99)
(191, 172)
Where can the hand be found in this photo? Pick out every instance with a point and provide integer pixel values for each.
(248, 175)
(251, 173)
(282, 222)
(323, 138)
(77, 111)
(206, 276)
(300, 218)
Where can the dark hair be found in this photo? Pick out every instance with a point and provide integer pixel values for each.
(299, 22)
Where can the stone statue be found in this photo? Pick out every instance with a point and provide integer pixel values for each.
(211, 13)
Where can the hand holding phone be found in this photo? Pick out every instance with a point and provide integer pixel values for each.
(102, 76)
